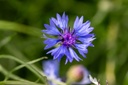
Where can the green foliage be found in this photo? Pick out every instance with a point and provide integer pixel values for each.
(21, 47)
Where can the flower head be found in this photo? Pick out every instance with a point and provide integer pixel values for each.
(78, 37)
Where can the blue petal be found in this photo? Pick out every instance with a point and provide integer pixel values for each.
(66, 61)
(61, 22)
(57, 52)
(55, 21)
(91, 45)
(69, 57)
(78, 23)
(51, 30)
(82, 47)
(82, 53)
(50, 42)
(51, 68)
(53, 51)
(60, 51)
(70, 60)
(75, 23)
(86, 39)
(73, 54)
(65, 21)
(52, 23)
(84, 30)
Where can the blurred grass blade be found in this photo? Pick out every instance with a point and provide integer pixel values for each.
(43, 78)
(6, 40)
(6, 25)
(30, 62)
(18, 53)
(5, 72)
(24, 65)
(12, 76)
(17, 83)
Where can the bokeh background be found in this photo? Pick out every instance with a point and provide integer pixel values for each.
(21, 22)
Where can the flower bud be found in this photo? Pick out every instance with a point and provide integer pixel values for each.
(75, 73)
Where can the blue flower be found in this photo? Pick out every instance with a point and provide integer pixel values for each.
(51, 69)
(67, 39)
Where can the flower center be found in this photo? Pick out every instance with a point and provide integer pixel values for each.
(68, 39)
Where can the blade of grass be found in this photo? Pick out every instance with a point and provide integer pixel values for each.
(17, 83)
(6, 25)
(24, 65)
(43, 78)
(6, 40)
(18, 53)
(5, 72)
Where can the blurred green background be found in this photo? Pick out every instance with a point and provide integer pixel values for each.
(21, 22)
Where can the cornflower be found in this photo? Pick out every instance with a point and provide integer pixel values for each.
(67, 39)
